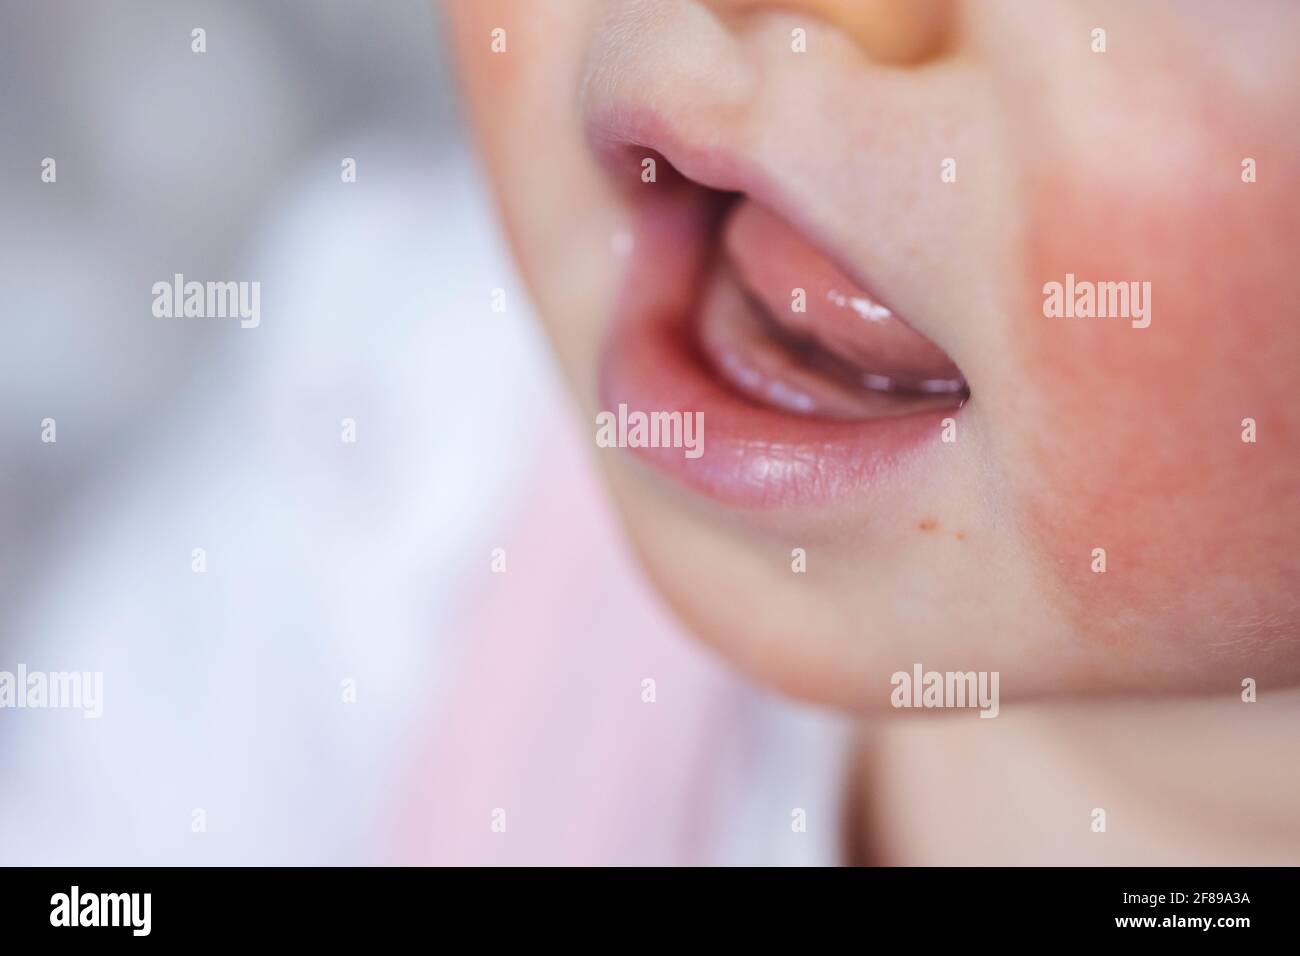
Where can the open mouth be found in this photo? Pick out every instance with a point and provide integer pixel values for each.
(808, 386)
(786, 328)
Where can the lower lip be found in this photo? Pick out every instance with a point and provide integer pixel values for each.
(753, 456)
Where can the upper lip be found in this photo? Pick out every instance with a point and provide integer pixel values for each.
(615, 130)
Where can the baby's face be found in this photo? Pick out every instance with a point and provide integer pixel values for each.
(990, 317)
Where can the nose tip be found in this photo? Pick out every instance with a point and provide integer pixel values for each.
(899, 32)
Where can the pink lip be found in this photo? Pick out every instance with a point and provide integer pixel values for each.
(753, 456)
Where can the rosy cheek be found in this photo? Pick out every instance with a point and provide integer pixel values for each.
(1133, 436)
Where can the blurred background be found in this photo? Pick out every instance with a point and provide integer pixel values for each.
(329, 564)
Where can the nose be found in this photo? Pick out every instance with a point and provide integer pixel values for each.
(889, 31)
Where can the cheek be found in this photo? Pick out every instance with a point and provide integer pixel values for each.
(523, 103)
(1134, 436)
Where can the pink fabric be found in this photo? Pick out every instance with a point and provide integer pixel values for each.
(546, 719)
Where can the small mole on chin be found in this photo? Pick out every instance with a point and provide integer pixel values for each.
(929, 524)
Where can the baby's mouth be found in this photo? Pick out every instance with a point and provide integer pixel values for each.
(784, 327)
(807, 386)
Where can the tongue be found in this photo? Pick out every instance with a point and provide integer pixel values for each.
(772, 261)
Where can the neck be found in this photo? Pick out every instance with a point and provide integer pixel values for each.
(1184, 781)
